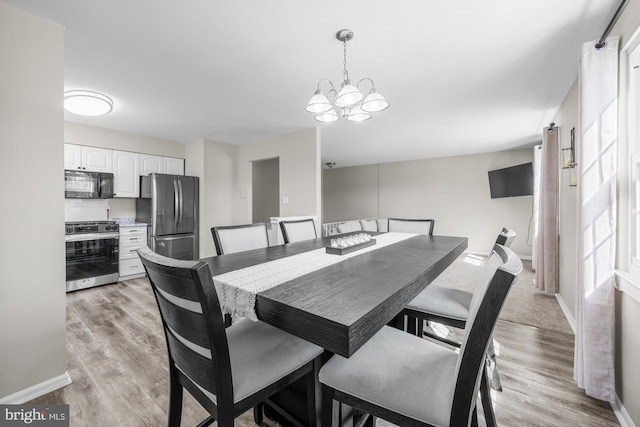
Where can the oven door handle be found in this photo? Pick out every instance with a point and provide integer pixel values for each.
(90, 236)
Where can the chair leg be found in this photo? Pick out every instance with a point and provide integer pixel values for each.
(314, 394)
(258, 413)
(487, 405)
(412, 325)
(329, 416)
(175, 400)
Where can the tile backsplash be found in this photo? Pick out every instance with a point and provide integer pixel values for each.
(86, 209)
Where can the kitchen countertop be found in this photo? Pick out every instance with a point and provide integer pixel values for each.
(128, 222)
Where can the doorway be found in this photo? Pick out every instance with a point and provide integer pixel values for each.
(265, 183)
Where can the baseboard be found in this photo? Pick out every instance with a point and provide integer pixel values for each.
(621, 413)
(37, 390)
(567, 313)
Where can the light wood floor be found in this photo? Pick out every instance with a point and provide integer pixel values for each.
(116, 358)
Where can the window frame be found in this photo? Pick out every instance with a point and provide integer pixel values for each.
(629, 280)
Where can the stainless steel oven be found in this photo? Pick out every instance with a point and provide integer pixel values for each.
(91, 254)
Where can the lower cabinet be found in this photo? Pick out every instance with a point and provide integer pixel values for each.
(131, 239)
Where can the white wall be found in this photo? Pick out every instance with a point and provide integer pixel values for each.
(216, 165)
(300, 173)
(566, 119)
(32, 255)
(350, 193)
(452, 190)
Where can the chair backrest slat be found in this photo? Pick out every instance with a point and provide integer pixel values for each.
(188, 324)
(239, 238)
(299, 230)
(500, 272)
(418, 226)
(194, 365)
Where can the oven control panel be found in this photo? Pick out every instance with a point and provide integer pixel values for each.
(90, 227)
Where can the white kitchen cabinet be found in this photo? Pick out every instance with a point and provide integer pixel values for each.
(90, 159)
(173, 166)
(158, 164)
(72, 157)
(97, 159)
(126, 174)
(150, 164)
(131, 239)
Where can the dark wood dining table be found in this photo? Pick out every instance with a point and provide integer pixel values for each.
(341, 306)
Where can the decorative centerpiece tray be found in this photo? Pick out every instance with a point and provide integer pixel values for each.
(349, 249)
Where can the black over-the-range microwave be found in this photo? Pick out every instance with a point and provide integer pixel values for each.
(87, 185)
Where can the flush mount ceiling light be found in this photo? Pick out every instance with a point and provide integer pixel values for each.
(353, 105)
(87, 103)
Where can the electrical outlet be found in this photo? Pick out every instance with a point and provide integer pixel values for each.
(285, 200)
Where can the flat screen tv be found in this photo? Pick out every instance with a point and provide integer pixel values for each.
(512, 181)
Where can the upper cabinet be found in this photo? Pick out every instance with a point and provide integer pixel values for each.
(173, 166)
(150, 164)
(93, 159)
(126, 174)
(126, 166)
(72, 156)
(158, 164)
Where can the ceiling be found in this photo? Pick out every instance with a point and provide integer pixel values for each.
(462, 77)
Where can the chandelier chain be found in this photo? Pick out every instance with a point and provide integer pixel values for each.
(345, 74)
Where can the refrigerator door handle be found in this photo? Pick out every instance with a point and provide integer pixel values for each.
(176, 203)
(181, 199)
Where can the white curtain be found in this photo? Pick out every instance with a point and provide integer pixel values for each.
(597, 154)
(546, 209)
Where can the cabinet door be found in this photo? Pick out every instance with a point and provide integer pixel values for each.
(97, 159)
(126, 174)
(72, 156)
(150, 164)
(173, 166)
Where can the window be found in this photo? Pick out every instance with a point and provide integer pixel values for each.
(633, 120)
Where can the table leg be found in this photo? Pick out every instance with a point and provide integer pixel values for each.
(398, 321)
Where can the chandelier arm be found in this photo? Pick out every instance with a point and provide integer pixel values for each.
(333, 88)
(373, 86)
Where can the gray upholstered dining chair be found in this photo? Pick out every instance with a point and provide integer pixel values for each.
(228, 371)
(450, 307)
(418, 226)
(432, 385)
(298, 230)
(230, 239)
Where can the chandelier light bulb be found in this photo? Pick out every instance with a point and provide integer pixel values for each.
(327, 116)
(358, 115)
(318, 103)
(348, 95)
(374, 102)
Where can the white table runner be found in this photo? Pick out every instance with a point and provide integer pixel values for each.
(237, 289)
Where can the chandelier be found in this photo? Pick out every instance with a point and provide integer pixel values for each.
(351, 103)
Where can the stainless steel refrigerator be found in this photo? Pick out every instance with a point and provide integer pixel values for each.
(169, 205)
